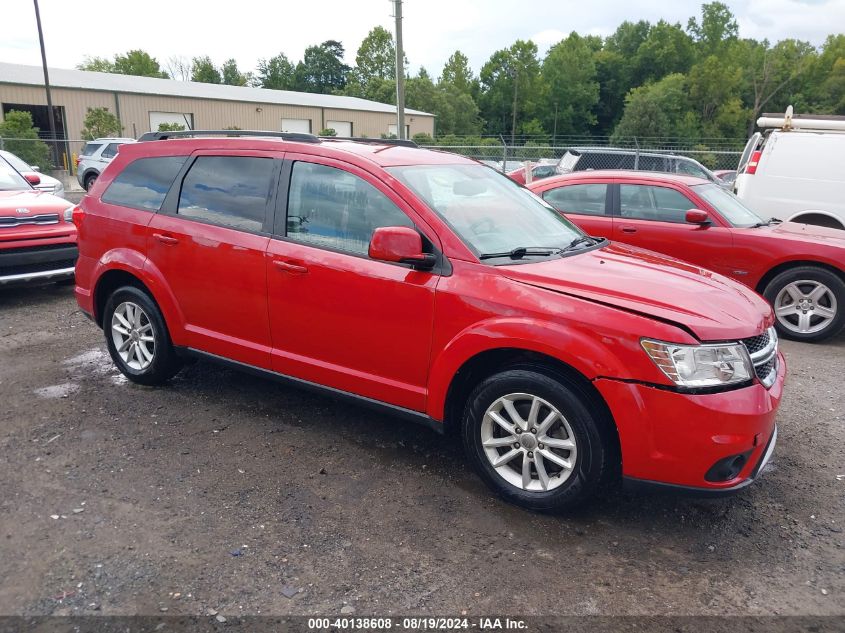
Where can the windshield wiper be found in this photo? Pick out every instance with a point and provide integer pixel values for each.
(768, 222)
(521, 251)
(584, 239)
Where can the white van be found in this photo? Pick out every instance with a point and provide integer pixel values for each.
(795, 169)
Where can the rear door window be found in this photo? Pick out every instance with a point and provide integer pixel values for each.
(331, 208)
(586, 199)
(89, 148)
(144, 183)
(232, 191)
(110, 151)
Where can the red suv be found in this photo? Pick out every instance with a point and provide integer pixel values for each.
(427, 284)
(37, 238)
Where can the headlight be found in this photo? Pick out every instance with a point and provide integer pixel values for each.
(68, 214)
(695, 366)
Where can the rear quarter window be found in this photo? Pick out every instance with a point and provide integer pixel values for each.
(90, 148)
(144, 183)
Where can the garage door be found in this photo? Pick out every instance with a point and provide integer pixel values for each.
(342, 128)
(393, 127)
(185, 119)
(296, 125)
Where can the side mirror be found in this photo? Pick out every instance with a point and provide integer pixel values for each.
(400, 244)
(697, 216)
(33, 179)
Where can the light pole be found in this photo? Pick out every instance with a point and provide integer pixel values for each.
(47, 85)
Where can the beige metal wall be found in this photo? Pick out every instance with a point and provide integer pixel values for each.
(208, 114)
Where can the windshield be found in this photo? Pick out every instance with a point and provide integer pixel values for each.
(488, 211)
(15, 162)
(728, 205)
(11, 180)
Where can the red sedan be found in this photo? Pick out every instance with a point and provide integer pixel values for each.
(798, 268)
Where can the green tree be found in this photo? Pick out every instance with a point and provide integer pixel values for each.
(322, 69)
(717, 28)
(659, 109)
(138, 62)
(170, 127)
(276, 73)
(97, 64)
(376, 57)
(457, 73)
(509, 83)
(204, 71)
(232, 76)
(20, 137)
(421, 93)
(666, 49)
(99, 122)
(570, 87)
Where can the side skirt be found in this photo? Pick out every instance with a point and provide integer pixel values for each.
(377, 405)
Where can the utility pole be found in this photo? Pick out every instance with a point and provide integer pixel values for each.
(400, 71)
(47, 86)
(515, 76)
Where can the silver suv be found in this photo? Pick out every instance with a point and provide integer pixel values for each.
(586, 158)
(94, 157)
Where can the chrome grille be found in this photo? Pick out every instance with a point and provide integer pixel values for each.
(44, 218)
(763, 350)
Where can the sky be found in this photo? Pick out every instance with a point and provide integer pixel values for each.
(249, 30)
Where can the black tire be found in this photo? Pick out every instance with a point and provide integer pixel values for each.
(592, 463)
(90, 179)
(164, 363)
(816, 275)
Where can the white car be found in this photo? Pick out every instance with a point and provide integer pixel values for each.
(795, 170)
(94, 157)
(32, 173)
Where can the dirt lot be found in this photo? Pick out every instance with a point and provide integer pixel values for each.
(225, 492)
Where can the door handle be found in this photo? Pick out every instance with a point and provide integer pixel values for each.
(165, 239)
(629, 229)
(287, 267)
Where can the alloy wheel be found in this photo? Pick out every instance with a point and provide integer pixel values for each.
(528, 442)
(133, 335)
(805, 306)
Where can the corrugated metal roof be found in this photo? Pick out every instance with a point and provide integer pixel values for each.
(85, 80)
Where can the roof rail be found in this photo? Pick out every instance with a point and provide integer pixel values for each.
(401, 142)
(287, 136)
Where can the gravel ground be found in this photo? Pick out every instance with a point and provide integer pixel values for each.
(222, 491)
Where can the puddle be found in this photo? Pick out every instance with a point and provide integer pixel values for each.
(57, 391)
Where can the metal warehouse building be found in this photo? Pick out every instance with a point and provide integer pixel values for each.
(142, 103)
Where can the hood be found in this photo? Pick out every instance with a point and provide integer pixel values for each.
(35, 202)
(806, 233)
(705, 303)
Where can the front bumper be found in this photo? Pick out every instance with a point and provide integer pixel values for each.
(37, 264)
(672, 439)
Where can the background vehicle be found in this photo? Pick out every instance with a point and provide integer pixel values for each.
(799, 269)
(793, 170)
(94, 157)
(727, 176)
(37, 238)
(586, 158)
(31, 173)
(425, 284)
(543, 169)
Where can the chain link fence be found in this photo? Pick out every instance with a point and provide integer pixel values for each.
(653, 154)
(45, 153)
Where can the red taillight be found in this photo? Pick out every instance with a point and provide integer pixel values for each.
(751, 167)
(78, 160)
(76, 217)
